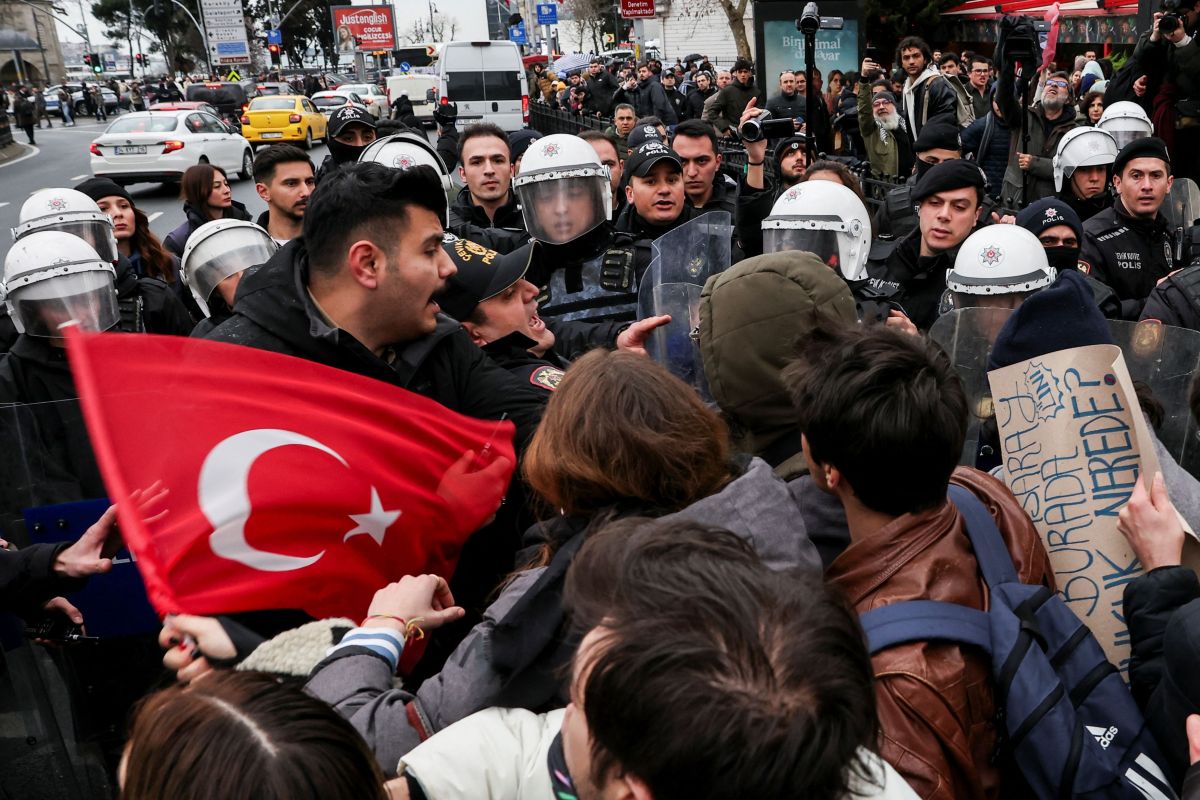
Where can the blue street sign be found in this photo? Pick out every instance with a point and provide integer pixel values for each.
(405, 66)
(516, 34)
(275, 37)
(547, 13)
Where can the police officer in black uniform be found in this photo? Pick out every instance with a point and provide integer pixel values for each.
(911, 272)
(1130, 246)
(939, 141)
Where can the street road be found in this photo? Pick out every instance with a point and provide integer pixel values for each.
(63, 160)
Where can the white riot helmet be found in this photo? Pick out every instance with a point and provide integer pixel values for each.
(823, 218)
(69, 211)
(404, 150)
(52, 278)
(1126, 121)
(563, 188)
(219, 249)
(1082, 147)
(1000, 259)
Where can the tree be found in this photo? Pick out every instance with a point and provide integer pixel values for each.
(306, 23)
(590, 17)
(735, 13)
(438, 28)
(168, 28)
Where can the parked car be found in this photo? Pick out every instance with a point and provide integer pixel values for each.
(329, 101)
(375, 98)
(283, 118)
(159, 146)
(111, 102)
(190, 105)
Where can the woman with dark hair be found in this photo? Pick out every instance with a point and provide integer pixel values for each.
(837, 172)
(833, 90)
(620, 437)
(206, 196)
(244, 736)
(1091, 107)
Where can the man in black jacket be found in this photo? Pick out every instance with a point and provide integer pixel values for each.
(601, 86)
(358, 292)
(702, 91)
(674, 96)
(647, 97)
(1129, 246)
(927, 95)
(485, 166)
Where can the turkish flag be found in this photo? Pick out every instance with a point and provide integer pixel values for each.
(289, 484)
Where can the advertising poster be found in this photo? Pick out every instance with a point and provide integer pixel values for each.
(363, 28)
(783, 48)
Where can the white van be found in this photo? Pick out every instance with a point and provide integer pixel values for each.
(421, 89)
(487, 81)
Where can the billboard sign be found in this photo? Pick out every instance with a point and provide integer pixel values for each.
(637, 9)
(363, 29)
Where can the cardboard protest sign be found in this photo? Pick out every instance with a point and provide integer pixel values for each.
(1075, 444)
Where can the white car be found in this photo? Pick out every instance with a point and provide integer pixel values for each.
(159, 146)
(372, 95)
(329, 101)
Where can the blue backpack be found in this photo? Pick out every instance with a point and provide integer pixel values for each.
(1065, 716)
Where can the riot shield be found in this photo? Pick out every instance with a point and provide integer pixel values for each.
(967, 336)
(1165, 359)
(682, 260)
(1182, 209)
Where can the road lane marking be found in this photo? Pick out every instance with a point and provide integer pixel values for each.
(2, 205)
(79, 177)
(154, 216)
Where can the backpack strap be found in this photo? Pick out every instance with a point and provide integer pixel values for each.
(990, 551)
(925, 620)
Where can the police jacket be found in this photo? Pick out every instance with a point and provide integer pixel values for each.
(1086, 209)
(897, 216)
(678, 102)
(274, 311)
(913, 282)
(593, 278)
(1128, 254)
(1176, 301)
(512, 353)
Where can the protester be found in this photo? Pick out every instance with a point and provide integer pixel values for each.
(351, 129)
(1030, 175)
(284, 180)
(485, 167)
(624, 118)
(135, 241)
(727, 107)
(889, 148)
(703, 91)
(927, 94)
(601, 86)
(645, 94)
(206, 196)
(851, 388)
(707, 187)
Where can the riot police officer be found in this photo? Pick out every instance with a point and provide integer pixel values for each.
(147, 305)
(1125, 121)
(213, 262)
(1081, 167)
(998, 267)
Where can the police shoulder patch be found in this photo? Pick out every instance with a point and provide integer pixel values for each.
(546, 377)
(1084, 267)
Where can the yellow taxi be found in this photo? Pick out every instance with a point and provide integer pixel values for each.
(283, 118)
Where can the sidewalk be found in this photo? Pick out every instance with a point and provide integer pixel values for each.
(13, 151)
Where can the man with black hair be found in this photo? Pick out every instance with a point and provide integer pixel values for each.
(358, 291)
(674, 96)
(938, 142)
(706, 186)
(727, 107)
(911, 272)
(979, 70)
(883, 417)
(601, 86)
(927, 94)
(699, 94)
(646, 95)
(283, 178)
(756, 195)
(487, 199)
(1129, 245)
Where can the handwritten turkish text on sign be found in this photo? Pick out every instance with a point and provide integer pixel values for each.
(1075, 444)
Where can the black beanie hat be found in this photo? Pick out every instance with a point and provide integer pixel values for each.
(97, 188)
(1048, 212)
(937, 135)
(956, 173)
(786, 146)
(1059, 317)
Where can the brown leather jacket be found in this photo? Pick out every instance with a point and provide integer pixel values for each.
(935, 699)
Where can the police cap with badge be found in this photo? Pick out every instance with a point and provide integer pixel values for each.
(482, 274)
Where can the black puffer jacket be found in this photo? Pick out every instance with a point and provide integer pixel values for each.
(275, 312)
(464, 210)
(1176, 301)
(161, 309)
(177, 239)
(1162, 609)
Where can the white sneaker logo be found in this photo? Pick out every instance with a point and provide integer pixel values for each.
(1103, 736)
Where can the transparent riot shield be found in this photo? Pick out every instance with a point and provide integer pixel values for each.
(64, 705)
(1182, 209)
(967, 336)
(1165, 360)
(683, 259)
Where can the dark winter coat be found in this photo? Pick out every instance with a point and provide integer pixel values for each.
(695, 102)
(177, 239)
(649, 100)
(1129, 255)
(987, 139)
(25, 111)
(275, 312)
(731, 101)
(464, 210)
(916, 283)
(601, 88)
(1176, 301)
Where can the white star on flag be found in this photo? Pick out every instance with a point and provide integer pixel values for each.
(375, 522)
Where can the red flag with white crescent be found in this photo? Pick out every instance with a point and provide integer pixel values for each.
(288, 484)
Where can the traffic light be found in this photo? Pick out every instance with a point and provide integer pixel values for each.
(97, 64)
(87, 59)
(273, 49)
(140, 58)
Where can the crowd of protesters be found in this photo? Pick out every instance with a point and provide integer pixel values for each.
(671, 601)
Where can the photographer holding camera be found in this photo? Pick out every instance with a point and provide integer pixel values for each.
(1169, 58)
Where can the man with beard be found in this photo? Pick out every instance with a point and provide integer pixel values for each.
(888, 146)
(283, 178)
(351, 129)
(647, 97)
(726, 110)
(927, 94)
(700, 94)
(1047, 122)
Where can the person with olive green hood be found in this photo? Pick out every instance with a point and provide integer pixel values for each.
(751, 316)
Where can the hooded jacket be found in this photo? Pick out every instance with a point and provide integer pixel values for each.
(750, 318)
(520, 645)
(464, 211)
(274, 311)
(177, 239)
(936, 700)
(943, 101)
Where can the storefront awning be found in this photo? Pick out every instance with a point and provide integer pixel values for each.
(991, 9)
